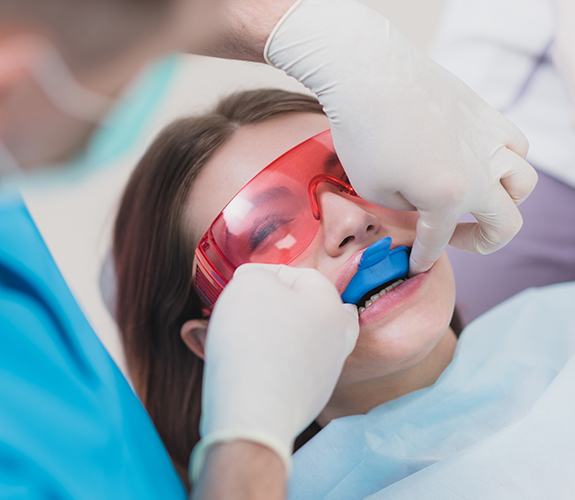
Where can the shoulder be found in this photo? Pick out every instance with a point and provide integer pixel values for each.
(549, 305)
(540, 320)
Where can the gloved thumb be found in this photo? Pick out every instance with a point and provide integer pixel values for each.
(352, 327)
(434, 230)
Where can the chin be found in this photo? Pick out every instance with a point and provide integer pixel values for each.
(407, 331)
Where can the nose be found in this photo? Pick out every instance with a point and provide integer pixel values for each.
(346, 224)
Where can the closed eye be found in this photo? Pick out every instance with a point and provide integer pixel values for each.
(266, 229)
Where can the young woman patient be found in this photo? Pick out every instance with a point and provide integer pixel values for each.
(183, 182)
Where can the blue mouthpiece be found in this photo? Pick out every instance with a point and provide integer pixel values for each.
(379, 265)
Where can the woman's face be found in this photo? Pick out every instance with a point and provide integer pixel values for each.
(409, 322)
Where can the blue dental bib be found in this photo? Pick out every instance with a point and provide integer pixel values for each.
(379, 265)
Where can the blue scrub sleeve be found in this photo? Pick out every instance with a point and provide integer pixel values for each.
(70, 425)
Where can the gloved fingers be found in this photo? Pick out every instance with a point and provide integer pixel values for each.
(394, 200)
(287, 275)
(513, 138)
(433, 232)
(310, 282)
(352, 327)
(517, 176)
(298, 279)
(388, 198)
(255, 269)
(269, 275)
(323, 292)
(495, 227)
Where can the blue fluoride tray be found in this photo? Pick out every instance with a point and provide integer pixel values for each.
(379, 264)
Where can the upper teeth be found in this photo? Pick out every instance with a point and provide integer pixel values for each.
(376, 296)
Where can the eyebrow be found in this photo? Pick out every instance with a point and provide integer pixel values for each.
(271, 194)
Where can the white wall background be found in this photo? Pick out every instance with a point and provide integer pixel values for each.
(75, 217)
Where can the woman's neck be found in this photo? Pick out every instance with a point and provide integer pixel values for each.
(361, 397)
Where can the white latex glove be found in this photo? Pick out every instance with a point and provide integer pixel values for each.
(408, 132)
(277, 341)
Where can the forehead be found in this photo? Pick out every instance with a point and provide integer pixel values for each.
(250, 149)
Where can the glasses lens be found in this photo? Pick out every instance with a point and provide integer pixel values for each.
(271, 220)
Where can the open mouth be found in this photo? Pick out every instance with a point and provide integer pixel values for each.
(370, 297)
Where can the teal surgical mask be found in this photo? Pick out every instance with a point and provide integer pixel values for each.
(65, 92)
(118, 129)
(132, 115)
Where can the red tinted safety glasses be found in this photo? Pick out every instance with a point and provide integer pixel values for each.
(273, 219)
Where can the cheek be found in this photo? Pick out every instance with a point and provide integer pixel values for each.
(315, 257)
(408, 337)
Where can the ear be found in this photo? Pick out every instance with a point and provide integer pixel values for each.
(193, 333)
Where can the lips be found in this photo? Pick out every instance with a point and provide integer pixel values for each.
(396, 300)
(349, 271)
(350, 267)
(378, 267)
(373, 295)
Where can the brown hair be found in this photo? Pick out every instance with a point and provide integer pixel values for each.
(153, 261)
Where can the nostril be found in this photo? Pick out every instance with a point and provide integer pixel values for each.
(346, 240)
(370, 228)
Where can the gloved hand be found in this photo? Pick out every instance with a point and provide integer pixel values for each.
(276, 344)
(409, 133)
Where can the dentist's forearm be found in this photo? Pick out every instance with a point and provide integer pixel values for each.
(241, 470)
(233, 29)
